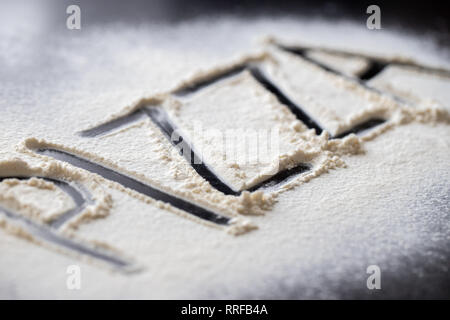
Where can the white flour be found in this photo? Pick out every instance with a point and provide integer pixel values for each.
(386, 198)
(38, 198)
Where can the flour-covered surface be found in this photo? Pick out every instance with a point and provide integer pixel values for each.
(350, 66)
(334, 102)
(37, 198)
(384, 202)
(414, 85)
(241, 107)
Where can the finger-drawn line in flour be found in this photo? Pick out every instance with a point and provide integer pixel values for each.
(296, 109)
(268, 85)
(48, 233)
(162, 120)
(79, 195)
(376, 64)
(283, 99)
(365, 126)
(136, 185)
(302, 115)
(372, 70)
(301, 52)
(281, 178)
(191, 88)
(112, 125)
(160, 117)
(375, 68)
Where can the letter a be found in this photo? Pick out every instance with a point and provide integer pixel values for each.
(74, 279)
(74, 20)
(374, 20)
(374, 280)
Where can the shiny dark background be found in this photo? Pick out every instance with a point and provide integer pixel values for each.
(429, 18)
